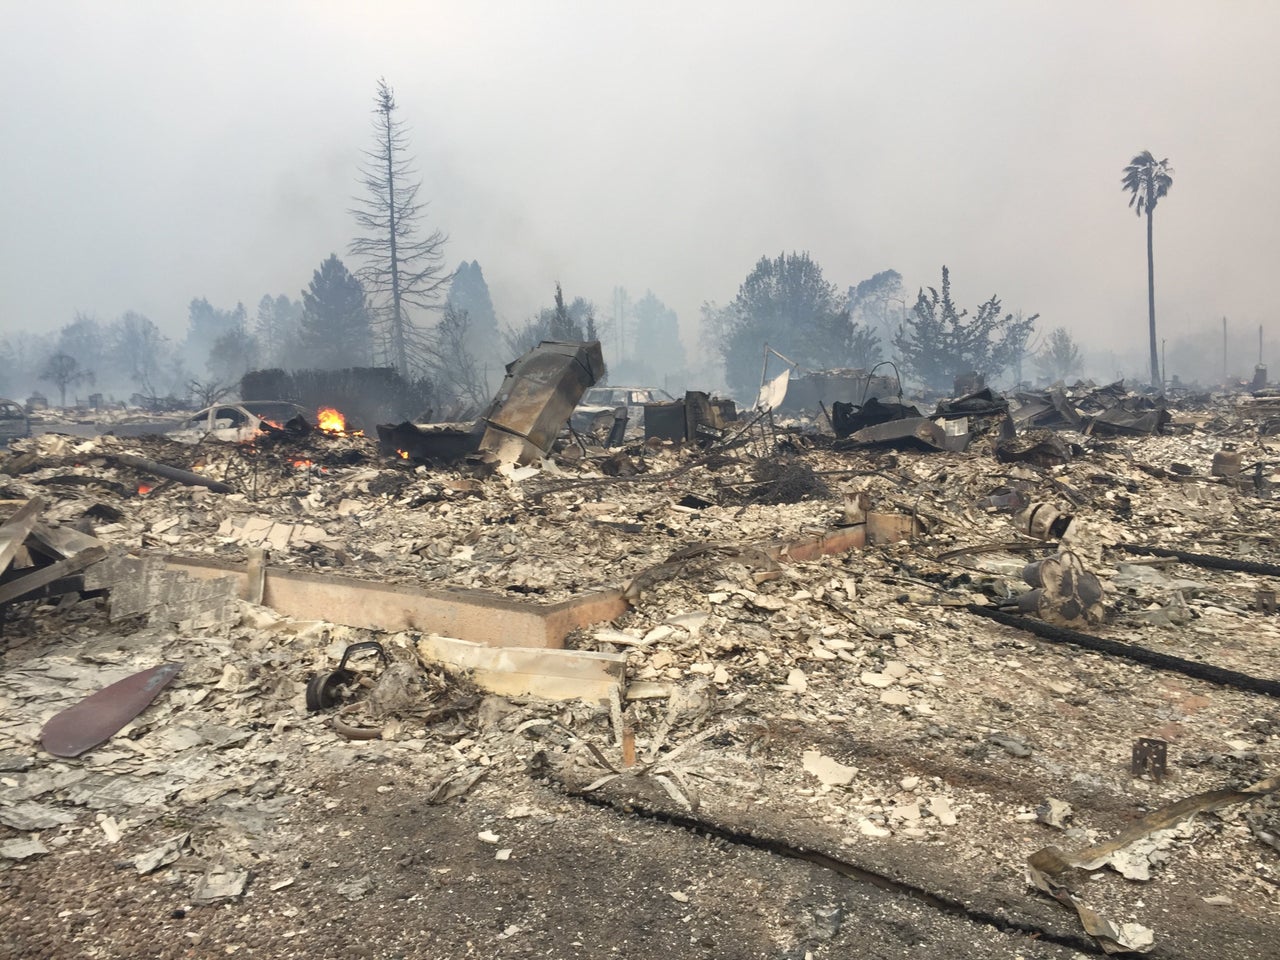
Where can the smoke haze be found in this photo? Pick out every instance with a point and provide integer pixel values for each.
(156, 153)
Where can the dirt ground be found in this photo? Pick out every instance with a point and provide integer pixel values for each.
(581, 881)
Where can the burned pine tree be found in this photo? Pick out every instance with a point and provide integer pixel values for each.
(401, 268)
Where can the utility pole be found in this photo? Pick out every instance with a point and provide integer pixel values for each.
(617, 326)
(620, 304)
(1224, 352)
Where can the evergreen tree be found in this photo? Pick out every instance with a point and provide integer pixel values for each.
(277, 329)
(469, 297)
(657, 332)
(785, 303)
(334, 330)
(937, 341)
(468, 291)
(207, 324)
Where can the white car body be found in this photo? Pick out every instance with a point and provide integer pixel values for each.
(598, 400)
(234, 422)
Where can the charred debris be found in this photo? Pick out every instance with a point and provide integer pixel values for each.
(913, 627)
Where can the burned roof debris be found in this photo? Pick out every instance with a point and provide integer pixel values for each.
(915, 647)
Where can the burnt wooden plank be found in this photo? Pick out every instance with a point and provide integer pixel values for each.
(16, 530)
(20, 587)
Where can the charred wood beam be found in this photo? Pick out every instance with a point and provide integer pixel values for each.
(15, 530)
(24, 585)
(172, 473)
(1206, 560)
(63, 586)
(59, 542)
(1128, 651)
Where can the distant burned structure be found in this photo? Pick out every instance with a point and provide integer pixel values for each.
(697, 418)
(524, 419)
(366, 395)
(826, 387)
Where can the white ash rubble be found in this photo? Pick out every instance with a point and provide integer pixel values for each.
(852, 701)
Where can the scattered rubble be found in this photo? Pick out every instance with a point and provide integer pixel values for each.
(919, 661)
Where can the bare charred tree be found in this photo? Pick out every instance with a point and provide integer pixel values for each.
(139, 349)
(402, 264)
(207, 392)
(520, 340)
(64, 370)
(455, 370)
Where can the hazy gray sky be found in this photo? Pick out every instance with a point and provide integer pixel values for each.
(153, 152)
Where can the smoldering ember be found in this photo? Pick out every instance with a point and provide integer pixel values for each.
(990, 675)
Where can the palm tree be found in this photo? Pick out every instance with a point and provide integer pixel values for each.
(1148, 179)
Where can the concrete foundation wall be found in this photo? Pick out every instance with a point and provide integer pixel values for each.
(466, 614)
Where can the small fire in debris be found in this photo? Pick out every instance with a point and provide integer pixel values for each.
(143, 489)
(402, 454)
(302, 464)
(331, 420)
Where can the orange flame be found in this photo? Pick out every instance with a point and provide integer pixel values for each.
(302, 464)
(402, 454)
(143, 489)
(331, 420)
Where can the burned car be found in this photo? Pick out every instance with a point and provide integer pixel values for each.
(235, 422)
(13, 422)
(599, 401)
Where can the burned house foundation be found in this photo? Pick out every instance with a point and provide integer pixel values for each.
(894, 661)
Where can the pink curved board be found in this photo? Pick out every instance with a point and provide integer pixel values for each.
(97, 717)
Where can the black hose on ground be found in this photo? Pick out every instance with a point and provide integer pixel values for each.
(172, 473)
(1206, 560)
(1128, 651)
